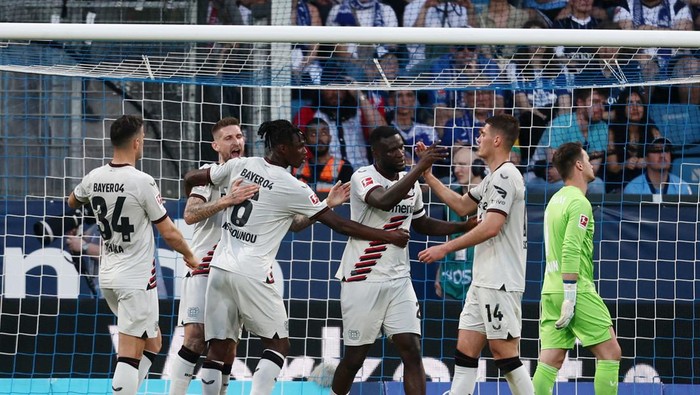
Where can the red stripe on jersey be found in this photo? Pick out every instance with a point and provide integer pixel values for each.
(398, 218)
(152, 281)
(377, 243)
(365, 264)
(206, 259)
(361, 277)
(393, 225)
(370, 250)
(203, 269)
(370, 256)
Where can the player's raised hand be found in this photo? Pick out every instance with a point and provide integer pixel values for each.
(429, 155)
(432, 254)
(339, 194)
(398, 237)
(238, 193)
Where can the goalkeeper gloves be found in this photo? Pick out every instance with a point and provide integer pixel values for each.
(567, 307)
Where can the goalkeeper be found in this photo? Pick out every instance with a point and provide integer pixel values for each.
(570, 307)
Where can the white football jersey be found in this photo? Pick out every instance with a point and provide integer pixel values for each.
(499, 262)
(375, 260)
(126, 202)
(253, 230)
(207, 232)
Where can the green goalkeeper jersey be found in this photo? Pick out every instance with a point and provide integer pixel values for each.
(568, 240)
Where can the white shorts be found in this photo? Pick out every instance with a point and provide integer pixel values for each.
(234, 300)
(493, 312)
(371, 307)
(191, 310)
(136, 310)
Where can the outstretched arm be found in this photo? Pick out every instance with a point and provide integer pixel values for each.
(435, 227)
(339, 194)
(486, 229)
(398, 237)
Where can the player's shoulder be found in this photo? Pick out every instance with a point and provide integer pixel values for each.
(364, 171)
(508, 172)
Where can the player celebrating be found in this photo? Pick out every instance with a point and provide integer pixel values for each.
(126, 202)
(570, 307)
(240, 289)
(203, 209)
(492, 311)
(375, 274)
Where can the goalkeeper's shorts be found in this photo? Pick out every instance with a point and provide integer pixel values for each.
(591, 323)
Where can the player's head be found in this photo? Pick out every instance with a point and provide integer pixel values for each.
(126, 133)
(284, 143)
(318, 137)
(387, 149)
(498, 135)
(229, 141)
(571, 159)
(591, 102)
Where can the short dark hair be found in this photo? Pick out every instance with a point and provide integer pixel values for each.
(124, 129)
(584, 93)
(566, 156)
(507, 126)
(381, 132)
(224, 122)
(278, 132)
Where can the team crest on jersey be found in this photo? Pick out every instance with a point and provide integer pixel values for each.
(583, 221)
(354, 334)
(367, 181)
(193, 312)
(314, 199)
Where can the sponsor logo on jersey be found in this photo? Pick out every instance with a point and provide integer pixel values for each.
(258, 179)
(314, 199)
(501, 191)
(367, 181)
(107, 187)
(402, 209)
(583, 221)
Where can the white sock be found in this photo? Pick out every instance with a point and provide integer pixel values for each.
(126, 378)
(463, 381)
(145, 365)
(519, 382)
(266, 373)
(225, 378)
(181, 373)
(210, 374)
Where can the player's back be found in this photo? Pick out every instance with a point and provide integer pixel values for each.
(126, 202)
(499, 262)
(253, 230)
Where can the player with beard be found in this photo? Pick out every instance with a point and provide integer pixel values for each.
(241, 290)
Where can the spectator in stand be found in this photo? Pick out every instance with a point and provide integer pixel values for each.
(548, 9)
(434, 13)
(478, 106)
(349, 123)
(454, 274)
(579, 16)
(655, 15)
(657, 178)
(321, 170)
(305, 63)
(499, 14)
(544, 179)
(368, 13)
(630, 131)
(585, 125)
(533, 72)
(403, 119)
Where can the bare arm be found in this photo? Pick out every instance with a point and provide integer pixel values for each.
(73, 202)
(197, 209)
(339, 194)
(461, 204)
(435, 227)
(194, 178)
(386, 199)
(172, 236)
(345, 226)
(486, 229)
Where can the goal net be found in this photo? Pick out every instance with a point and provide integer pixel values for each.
(63, 84)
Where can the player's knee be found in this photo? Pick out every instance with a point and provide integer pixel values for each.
(195, 344)
(154, 344)
(465, 361)
(279, 345)
(508, 365)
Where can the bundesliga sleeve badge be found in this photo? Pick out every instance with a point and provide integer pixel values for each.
(583, 221)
